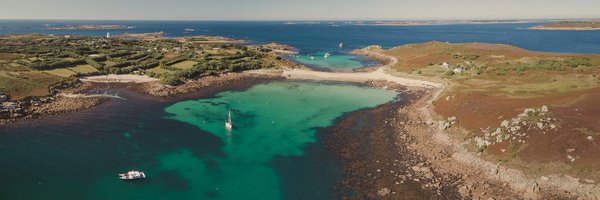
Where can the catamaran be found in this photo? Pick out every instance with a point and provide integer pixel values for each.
(132, 175)
(228, 124)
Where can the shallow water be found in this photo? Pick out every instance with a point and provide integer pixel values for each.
(184, 148)
(334, 62)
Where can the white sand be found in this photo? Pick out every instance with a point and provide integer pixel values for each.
(359, 77)
(122, 78)
(379, 74)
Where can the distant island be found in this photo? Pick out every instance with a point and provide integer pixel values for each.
(448, 22)
(199, 39)
(570, 25)
(89, 27)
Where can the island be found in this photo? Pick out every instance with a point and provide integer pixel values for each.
(447, 22)
(570, 25)
(89, 27)
(35, 68)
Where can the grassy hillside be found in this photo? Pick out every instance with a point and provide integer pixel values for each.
(500, 69)
(533, 110)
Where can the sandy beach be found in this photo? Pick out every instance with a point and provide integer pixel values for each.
(359, 77)
(121, 78)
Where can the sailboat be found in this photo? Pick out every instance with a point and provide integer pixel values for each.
(228, 124)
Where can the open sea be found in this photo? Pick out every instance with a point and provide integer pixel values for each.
(273, 151)
(314, 39)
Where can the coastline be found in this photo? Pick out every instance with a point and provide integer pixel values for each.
(76, 99)
(384, 166)
(480, 178)
(445, 165)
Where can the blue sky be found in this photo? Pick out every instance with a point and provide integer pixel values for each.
(298, 10)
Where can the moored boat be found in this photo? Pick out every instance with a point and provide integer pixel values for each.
(132, 175)
(228, 123)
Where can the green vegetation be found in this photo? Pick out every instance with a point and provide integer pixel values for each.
(62, 72)
(500, 69)
(587, 132)
(470, 56)
(184, 65)
(64, 58)
(84, 69)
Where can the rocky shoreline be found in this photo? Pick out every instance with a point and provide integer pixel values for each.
(376, 160)
(388, 153)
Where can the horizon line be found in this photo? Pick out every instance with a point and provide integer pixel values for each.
(304, 20)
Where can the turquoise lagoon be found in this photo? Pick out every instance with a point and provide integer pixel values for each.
(276, 119)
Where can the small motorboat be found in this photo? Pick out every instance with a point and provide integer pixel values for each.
(228, 123)
(132, 175)
(342, 45)
(327, 55)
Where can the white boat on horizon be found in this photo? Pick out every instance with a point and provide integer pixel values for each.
(132, 175)
(228, 123)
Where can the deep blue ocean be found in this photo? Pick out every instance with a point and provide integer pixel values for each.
(313, 37)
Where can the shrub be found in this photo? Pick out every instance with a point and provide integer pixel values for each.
(47, 65)
(471, 56)
(170, 80)
(449, 73)
(522, 68)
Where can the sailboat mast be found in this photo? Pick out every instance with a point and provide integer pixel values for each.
(229, 117)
